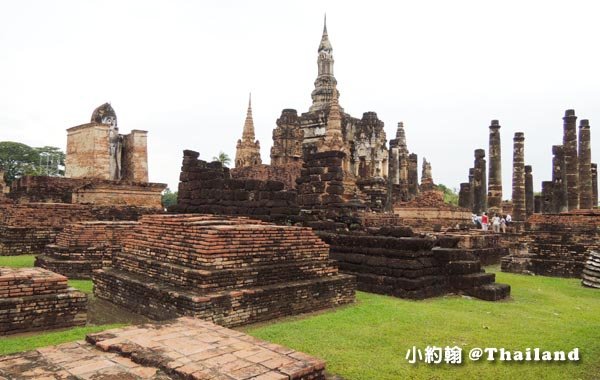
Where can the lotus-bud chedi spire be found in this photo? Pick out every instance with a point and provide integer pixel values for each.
(248, 150)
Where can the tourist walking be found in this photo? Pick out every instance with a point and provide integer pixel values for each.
(503, 225)
(484, 222)
(496, 224)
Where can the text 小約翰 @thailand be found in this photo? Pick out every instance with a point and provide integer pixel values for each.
(454, 355)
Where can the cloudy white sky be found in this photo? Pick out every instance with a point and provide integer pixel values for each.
(182, 70)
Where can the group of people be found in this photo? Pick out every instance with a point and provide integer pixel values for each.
(498, 222)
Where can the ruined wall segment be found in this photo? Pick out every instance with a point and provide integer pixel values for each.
(135, 156)
(209, 188)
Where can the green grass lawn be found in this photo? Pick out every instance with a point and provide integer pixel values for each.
(12, 344)
(370, 340)
(22, 261)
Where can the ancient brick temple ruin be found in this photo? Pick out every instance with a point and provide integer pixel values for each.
(412, 267)
(555, 244)
(185, 348)
(34, 299)
(368, 164)
(107, 179)
(557, 240)
(229, 270)
(83, 247)
(247, 151)
(102, 167)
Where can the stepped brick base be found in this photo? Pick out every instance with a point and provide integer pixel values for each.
(410, 267)
(231, 271)
(36, 299)
(83, 247)
(590, 276)
(160, 301)
(185, 348)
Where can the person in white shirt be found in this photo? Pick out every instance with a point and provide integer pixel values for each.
(496, 224)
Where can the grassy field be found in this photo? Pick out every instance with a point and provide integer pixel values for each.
(370, 340)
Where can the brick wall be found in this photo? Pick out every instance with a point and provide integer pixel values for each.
(88, 191)
(27, 228)
(287, 174)
(208, 188)
(555, 244)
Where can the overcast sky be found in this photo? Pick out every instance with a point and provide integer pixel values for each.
(182, 70)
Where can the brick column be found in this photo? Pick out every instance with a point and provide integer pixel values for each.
(547, 206)
(479, 182)
(529, 199)
(586, 196)
(518, 191)
(571, 159)
(413, 175)
(465, 196)
(495, 171)
(594, 171)
(559, 182)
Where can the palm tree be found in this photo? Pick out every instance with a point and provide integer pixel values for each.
(223, 158)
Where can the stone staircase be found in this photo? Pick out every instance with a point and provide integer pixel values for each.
(465, 274)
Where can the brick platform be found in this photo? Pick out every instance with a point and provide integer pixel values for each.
(555, 244)
(185, 348)
(410, 267)
(27, 228)
(232, 271)
(83, 247)
(36, 299)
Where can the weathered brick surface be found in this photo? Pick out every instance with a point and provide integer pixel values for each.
(555, 244)
(185, 348)
(287, 173)
(36, 299)
(410, 267)
(86, 191)
(27, 228)
(590, 276)
(83, 247)
(230, 270)
(208, 188)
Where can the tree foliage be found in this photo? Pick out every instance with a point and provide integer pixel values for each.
(450, 195)
(17, 159)
(223, 158)
(169, 198)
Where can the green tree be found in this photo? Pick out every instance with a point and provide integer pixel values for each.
(169, 198)
(223, 158)
(52, 161)
(17, 159)
(450, 195)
